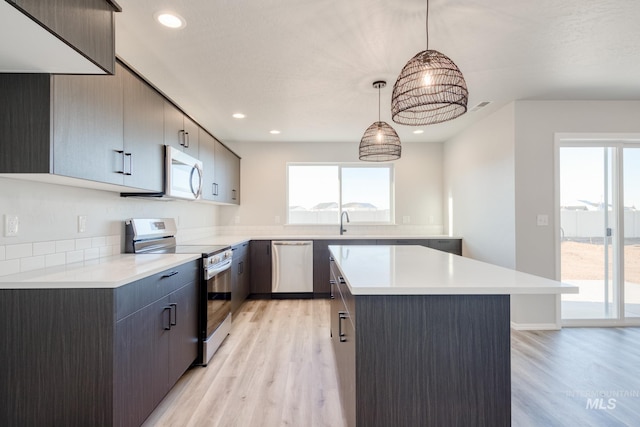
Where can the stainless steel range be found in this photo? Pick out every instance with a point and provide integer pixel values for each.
(153, 236)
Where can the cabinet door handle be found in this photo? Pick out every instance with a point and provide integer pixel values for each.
(215, 189)
(181, 137)
(186, 140)
(173, 273)
(233, 194)
(121, 153)
(130, 156)
(168, 327)
(341, 316)
(174, 311)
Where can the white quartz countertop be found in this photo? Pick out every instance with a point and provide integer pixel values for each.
(416, 270)
(237, 239)
(109, 272)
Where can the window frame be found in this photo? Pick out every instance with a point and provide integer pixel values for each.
(340, 166)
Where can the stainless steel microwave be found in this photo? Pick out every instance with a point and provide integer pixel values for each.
(183, 175)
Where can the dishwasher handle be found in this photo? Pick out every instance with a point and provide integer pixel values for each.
(292, 242)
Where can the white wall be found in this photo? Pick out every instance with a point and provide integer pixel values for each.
(479, 179)
(48, 215)
(418, 183)
(536, 123)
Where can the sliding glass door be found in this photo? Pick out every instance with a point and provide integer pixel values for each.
(600, 231)
(631, 183)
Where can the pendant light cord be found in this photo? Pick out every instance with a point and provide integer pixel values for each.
(427, 25)
(378, 103)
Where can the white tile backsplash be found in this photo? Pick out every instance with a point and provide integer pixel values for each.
(83, 243)
(65, 245)
(52, 260)
(21, 250)
(31, 256)
(9, 267)
(97, 242)
(31, 263)
(93, 253)
(44, 248)
(75, 256)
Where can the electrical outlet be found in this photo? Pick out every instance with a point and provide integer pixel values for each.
(277, 219)
(82, 223)
(11, 223)
(406, 219)
(237, 219)
(542, 220)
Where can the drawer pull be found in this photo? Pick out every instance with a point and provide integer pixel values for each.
(173, 273)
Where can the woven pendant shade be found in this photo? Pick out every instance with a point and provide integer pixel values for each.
(430, 89)
(380, 143)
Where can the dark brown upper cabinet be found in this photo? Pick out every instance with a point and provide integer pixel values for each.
(179, 130)
(87, 26)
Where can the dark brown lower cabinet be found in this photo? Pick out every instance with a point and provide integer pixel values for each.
(422, 360)
(261, 268)
(95, 357)
(240, 275)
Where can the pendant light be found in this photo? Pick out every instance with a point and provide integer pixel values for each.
(380, 142)
(430, 89)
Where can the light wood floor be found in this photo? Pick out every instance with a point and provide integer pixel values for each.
(276, 368)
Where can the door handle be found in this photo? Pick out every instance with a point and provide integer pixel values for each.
(130, 156)
(168, 327)
(121, 153)
(174, 310)
(341, 316)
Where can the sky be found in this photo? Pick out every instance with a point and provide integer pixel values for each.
(310, 185)
(582, 175)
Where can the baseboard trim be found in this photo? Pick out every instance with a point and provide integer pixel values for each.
(535, 326)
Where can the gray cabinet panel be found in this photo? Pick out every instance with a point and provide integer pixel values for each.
(57, 365)
(88, 139)
(240, 276)
(207, 154)
(227, 175)
(143, 134)
(71, 362)
(261, 267)
(86, 25)
(25, 123)
(179, 130)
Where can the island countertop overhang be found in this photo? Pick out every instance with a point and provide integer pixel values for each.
(417, 270)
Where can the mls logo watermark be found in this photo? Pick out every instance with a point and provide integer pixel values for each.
(603, 400)
(601, 403)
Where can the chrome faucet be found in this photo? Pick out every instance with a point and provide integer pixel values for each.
(342, 230)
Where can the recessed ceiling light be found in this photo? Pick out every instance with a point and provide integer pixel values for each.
(274, 132)
(170, 20)
(239, 116)
(418, 131)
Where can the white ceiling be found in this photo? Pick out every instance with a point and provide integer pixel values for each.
(306, 67)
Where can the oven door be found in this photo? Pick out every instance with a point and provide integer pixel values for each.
(218, 284)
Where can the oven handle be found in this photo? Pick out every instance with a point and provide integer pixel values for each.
(210, 272)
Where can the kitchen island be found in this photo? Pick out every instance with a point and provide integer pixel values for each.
(422, 337)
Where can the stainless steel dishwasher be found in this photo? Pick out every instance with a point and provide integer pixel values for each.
(292, 267)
